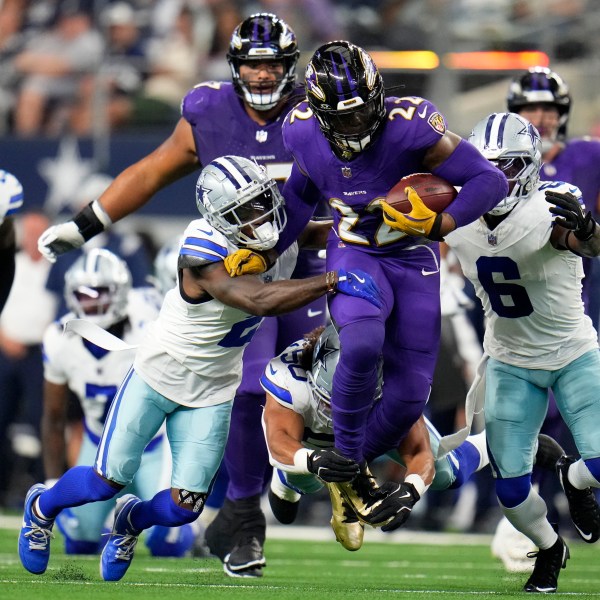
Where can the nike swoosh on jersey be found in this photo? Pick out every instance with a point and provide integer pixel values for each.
(314, 313)
(273, 371)
(205, 232)
(423, 113)
(425, 272)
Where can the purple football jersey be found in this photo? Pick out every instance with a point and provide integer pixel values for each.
(352, 188)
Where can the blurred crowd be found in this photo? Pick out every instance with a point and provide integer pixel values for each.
(60, 60)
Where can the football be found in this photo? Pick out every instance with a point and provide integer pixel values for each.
(436, 193)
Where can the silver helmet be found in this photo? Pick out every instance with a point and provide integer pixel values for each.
(237, 198)
(326, 355)
(11, 194)
(513, 145)
(96, 287)
(165, 265)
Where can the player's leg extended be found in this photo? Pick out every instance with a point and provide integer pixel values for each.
(577, 389)
(412, 334)
(515, 406)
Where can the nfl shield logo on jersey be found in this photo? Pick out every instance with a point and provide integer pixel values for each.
(347, 172)
(261, 136)
(492, 239)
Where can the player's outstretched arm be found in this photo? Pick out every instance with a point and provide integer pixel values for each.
(250, 294)
(574, 228)
(133, 188)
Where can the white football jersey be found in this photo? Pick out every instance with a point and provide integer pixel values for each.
(531, 292)
(93, 373)
(286, 381)
(193, 352)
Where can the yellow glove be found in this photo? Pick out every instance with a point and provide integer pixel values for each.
(419, 221)
(245, 262)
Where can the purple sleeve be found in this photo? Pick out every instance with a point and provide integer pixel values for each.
(483, 185)
(301, 198)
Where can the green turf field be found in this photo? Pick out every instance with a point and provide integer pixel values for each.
(299, 570)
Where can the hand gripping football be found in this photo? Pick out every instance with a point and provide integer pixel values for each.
(435, 192)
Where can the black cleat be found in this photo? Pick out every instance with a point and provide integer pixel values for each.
(221, 531)
(246, 559)
(283, 510)
(548, 563)
(548, 453)
(583, 506)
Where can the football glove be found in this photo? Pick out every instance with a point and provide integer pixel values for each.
(396, 508)
(59, 239)
(359, 284)
(245, 262)
(330, 466)
(419, 221)
(570, 214)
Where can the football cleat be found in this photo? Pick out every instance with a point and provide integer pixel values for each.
(283, 510)
(35, 535)
(548, 563)
(512, 547)
(548, 453)
(362, 494)
(349, 531)
(118, 552)
(246, 559)
(583, 506)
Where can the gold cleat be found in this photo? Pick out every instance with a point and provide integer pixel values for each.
(349, 531)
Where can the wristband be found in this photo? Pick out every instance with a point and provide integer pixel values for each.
(92, 220)
(301, 459)
(417, 482)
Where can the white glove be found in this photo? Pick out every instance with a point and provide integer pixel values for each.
(59, 239)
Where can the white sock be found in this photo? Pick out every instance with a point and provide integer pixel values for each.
(580, 476)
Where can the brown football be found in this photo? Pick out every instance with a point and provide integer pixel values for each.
(436, 193)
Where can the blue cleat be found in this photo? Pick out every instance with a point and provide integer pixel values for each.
(118, 552)
(35, 535)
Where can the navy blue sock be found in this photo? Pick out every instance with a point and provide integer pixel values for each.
(77, 486)
(468, 459)
(160, 510)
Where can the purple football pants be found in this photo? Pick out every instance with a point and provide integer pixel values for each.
(406, 331)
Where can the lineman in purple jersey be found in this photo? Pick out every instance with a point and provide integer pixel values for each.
(243, 117)
(351, 145)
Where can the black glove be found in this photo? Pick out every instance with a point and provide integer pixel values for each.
(330, 466)
(570, 214)
(396, 508)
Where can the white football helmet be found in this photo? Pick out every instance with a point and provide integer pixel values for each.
(165, 265)
(97, 286)
(11, 194)
(237, 198)
(326, 356)
(512, 144)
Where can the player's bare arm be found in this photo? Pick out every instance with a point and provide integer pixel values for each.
(415, 451)
(172, 160)
(283, 429)
(314, 236)
(250, 294)
(54, 422)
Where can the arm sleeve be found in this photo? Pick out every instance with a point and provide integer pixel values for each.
(301, 198)
(483, 185)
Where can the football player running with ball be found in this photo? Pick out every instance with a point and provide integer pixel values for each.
(524, 259)
(187, 368)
